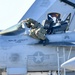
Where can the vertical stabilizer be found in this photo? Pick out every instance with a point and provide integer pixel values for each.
(38, 9)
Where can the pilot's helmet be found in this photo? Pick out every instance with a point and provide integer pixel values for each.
(27, 22)
(54, 16)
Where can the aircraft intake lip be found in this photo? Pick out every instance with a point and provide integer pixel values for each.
(69, 64)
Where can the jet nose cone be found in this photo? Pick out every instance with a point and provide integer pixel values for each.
(70, 64)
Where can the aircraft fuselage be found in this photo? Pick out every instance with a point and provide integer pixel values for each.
(22, 51)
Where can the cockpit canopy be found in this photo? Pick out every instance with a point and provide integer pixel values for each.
(14, 30)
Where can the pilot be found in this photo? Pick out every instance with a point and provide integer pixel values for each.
(48, 23)
(37, 31)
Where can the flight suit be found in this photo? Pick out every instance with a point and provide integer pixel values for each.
(37, 31)
(40, 33)
(48, 24)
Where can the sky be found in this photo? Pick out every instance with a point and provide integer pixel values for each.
(11, 11)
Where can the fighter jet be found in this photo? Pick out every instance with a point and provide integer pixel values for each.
(64, 38)
(21, 53)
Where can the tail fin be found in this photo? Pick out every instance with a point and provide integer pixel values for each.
(38, 8)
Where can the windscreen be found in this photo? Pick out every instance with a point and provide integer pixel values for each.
(14, 30)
